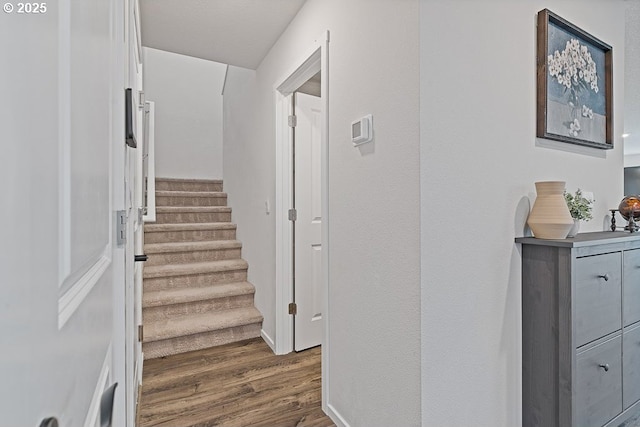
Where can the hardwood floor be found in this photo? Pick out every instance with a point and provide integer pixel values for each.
(236, 385)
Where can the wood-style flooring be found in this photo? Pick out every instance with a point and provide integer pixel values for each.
(235, 385)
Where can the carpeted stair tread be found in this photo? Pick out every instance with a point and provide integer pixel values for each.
(186, 295)
(192, 209)
(179, 193)
(154, 271)
(199, 323)
(154, 228)
(161, 248)
(199, 341)
(190, 180)
(180, 184)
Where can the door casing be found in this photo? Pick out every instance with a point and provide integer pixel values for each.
(315, 59)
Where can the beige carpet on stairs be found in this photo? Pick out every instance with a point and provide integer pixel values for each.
(195, 289)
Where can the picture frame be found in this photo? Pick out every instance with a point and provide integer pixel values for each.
(574, 84)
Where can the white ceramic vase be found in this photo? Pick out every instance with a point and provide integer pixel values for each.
(550, 217)
(575, 229)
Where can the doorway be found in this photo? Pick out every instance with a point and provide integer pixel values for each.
(311, 71)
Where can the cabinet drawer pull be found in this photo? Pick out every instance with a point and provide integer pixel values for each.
(604, 366)
(604, 276)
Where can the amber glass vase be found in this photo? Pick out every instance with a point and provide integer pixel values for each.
(629, 205)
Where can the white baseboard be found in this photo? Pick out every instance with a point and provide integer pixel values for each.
(93, 413)
(336, 417)
(270, 342)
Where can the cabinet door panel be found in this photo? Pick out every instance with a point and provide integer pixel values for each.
(631, 366)
(631, 297)
(599, 384)
(597, 296)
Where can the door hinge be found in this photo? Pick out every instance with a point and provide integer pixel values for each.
(293, 308)
(121, 227)
(293, 215)
(141, 100)
(293, 121)
(140, 333)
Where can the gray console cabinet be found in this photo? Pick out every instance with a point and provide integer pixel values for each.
(580, 330)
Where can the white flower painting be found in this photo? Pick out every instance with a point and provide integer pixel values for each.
(573, 105)
(575, 69)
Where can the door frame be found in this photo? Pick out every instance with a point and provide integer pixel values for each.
(315, 59)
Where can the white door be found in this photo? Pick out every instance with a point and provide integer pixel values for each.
(134, 246)
(59, 261)
(308, 225)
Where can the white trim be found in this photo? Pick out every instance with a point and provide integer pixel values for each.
(92, 419)
(307, 69)
(151, 162)
(69, 301)
(315, 59)
(426, 383)
(270, 342)
(324, 94)
(224, 81)
(64, 140)
(284, 291)
(138, 34)
(336, 417)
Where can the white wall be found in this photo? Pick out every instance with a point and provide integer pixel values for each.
(632, 84)
(479, 161)
(188, 98)
(374, 364)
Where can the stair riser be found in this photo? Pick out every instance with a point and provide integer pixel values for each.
(190, 201)
(199, 341)
(183, 218)
(187, 186)
(192, 256)
(189, 236)
(197, 280)
(151, 314)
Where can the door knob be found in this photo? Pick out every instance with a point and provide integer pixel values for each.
(604, 276)
(106, 406)
(604, 366)
(49, 422)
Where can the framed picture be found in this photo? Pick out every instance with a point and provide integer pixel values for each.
(575, 86)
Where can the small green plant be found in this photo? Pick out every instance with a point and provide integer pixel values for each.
(579, 206)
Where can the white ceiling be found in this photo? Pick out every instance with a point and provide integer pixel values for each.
(236, 32)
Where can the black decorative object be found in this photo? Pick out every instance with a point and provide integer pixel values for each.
(129, 120)
(629, 209)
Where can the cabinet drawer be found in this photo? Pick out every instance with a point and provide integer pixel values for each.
(597, 296)
(631, 309)
(631, 366)
(599, 384)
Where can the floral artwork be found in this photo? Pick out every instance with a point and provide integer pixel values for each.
(575, 70)
(575, 106)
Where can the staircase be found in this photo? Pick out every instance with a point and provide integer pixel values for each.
(195, 289)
